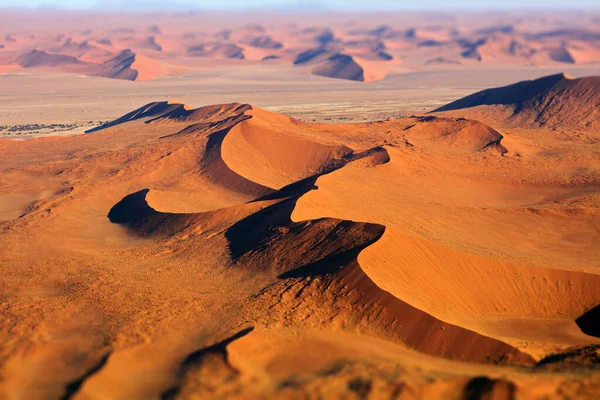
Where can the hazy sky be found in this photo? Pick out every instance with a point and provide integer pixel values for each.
(291, 4)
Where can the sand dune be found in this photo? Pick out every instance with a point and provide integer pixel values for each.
(336, 291)
(269, 149)
(168, 110)
(118, 67)
(397, 247)
(263, 42)
(226, 51)
(228, 251)
(340, 66)
(556, 102)
(82, 48)
(457, 135)
(13, 205)
(39, 58)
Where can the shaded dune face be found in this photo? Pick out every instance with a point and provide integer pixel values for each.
(556, 101)
(227, 251)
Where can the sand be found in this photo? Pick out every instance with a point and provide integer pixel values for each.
(229, 251)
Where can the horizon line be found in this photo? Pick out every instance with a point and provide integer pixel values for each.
(318, 10)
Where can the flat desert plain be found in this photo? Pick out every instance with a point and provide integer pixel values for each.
(274, 206)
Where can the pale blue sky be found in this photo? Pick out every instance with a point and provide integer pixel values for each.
(307, 4)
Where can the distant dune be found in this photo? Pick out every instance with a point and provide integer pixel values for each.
(40, 58)
(118, 67)
(263, 42)
(338, 47)
(340, 66)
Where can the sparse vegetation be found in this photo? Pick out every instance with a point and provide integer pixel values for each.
(45, 129)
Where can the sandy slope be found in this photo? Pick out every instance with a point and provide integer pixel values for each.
(226, 251)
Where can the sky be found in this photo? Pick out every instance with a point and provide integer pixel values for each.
(333, 5)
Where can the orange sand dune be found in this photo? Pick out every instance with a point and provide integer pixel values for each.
(408, 235)
(230, 252)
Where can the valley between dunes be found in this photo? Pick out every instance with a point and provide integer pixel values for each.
(229, 252)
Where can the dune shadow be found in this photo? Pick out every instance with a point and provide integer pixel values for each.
(73, 387)
(217, 347)
(294, 189)
(196, 358)
(577, 357)
(131, 209)
(482, 387)
(589, 322)
(134, 214)
(250, 232)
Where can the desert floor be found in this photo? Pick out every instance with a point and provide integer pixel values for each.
(84, 101)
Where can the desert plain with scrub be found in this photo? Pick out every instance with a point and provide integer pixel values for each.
(300, 206)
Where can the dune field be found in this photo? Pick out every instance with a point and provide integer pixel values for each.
(424, 235)
(345, 46)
